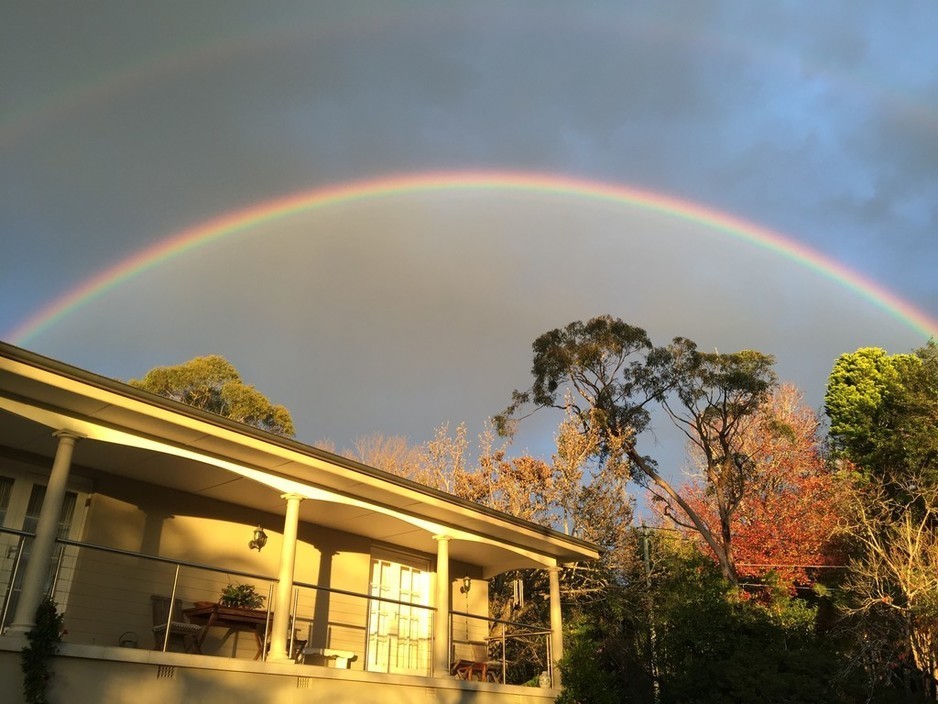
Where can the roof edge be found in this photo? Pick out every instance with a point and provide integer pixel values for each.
(115, 386)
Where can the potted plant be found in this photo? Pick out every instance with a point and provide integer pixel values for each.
(241, 596)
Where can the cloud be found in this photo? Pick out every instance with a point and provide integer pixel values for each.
(128, 126)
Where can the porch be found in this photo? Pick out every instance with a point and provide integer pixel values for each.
(144, 660)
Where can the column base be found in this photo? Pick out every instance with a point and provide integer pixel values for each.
(18, 629)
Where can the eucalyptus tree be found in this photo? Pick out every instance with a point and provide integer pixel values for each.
(609, 376)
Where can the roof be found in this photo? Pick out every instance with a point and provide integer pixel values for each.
(144, 436)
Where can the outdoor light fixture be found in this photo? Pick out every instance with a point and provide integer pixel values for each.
(466, 585)
(259, 540)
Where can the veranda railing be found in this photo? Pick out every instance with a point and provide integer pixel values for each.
(106, 592)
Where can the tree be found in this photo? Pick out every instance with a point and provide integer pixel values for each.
(884, 429)
(710, 644)
(213, 384)
(893, 576)
(883, 411)
(607, 374)
(715, 646)
(571, 493)
(393, 454)
(717, 397)
(441, 463)
(788, 516)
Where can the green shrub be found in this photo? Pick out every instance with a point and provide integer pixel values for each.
(43, 642)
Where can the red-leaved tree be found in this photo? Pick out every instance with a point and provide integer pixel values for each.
(788, 515)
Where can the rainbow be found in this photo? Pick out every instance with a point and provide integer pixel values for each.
(467, 181)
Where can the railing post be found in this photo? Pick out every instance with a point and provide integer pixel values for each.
(55, 575)
(504, 656)
(270, 599)
(169, 611)
(13, 574)
(296, 599)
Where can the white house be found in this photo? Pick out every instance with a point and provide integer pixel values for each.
(118, 503)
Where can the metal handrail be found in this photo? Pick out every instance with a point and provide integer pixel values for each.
(528, 629)
(501, 621)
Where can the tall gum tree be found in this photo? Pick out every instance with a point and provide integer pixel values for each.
(607, 374)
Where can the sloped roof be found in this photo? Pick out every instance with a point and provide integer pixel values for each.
(141, 435)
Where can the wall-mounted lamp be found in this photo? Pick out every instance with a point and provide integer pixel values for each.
(259, 540)
(466, 585)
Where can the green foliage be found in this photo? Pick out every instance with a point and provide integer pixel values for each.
(213, 384)
(884, 421)
(588, 673)
(606, 654)
(242, 596)
(861, 386)
(43, 642)
(883, 411)
(701, 640)
(609, 363)
(718, 644)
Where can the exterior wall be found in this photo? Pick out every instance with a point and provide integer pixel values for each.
(141, 677)
(468, 630)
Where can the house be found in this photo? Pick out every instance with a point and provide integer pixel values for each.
(121, 503)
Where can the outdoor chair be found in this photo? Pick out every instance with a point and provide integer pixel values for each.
(180, 630)
(471, 661)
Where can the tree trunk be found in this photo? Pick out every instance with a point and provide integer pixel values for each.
(726, 564)
(727, 536)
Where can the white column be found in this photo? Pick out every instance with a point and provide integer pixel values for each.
(282, 596)
(441, 618)
(40, 554)
(556, 624)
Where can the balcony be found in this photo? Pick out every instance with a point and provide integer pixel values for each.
(341, 641)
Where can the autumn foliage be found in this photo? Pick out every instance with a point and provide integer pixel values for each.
(786, 520)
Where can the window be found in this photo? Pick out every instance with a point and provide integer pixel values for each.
(21, 497)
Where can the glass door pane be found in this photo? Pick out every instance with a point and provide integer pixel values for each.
(398, 633)
(29, 523)
(9, 543)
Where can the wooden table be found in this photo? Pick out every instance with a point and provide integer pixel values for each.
(486, 670)
(231, 618)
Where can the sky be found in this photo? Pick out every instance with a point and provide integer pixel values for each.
(373, 208)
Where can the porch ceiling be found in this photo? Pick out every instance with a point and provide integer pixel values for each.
(32, 443)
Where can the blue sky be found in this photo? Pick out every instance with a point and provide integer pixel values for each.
(125, 123)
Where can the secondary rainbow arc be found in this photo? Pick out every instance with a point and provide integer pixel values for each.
(481, 181)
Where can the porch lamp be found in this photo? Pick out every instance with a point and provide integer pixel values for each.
(466, 585)
(259, 540)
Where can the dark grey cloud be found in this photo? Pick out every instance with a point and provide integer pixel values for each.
(123, 124)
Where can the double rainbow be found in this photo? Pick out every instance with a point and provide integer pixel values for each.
(473, 181)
